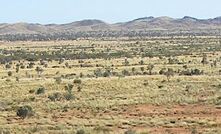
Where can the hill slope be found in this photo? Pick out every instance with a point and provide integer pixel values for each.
(146, 23)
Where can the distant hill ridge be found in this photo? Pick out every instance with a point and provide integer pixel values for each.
(145, 23)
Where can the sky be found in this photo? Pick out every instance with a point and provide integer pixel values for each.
(111, 11)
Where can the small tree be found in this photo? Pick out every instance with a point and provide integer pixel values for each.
(39, 70)
(17, 68)
(169, 73)
(150, 68)
(126, 62)
(204, 60)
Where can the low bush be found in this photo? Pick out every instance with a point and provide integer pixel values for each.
(77, 81)
(40, 90)
(55, 96)
(25, 111)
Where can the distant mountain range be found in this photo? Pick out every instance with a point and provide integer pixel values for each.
(146, 23)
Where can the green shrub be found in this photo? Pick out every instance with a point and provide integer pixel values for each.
(40, 90)
(25, 111)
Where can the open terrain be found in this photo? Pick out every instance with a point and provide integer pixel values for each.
(168, 85)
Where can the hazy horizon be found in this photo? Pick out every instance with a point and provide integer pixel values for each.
(110, 11)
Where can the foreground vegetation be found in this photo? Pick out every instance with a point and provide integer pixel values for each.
(154, 85)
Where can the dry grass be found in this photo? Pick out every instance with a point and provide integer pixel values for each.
(145, 103)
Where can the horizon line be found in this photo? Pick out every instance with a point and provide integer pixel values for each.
(154, 17)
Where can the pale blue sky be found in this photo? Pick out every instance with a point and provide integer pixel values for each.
(64, 11)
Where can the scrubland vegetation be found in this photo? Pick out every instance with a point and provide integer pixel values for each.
(100, 86)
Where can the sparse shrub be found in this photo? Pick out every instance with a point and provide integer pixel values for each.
(106, 74)
(150, 68)
(81, 75)
(185, 66)
(40, 90)
(79, 88)
(191, 72)
(25, 111)
(194, 131)
(8, 80)
(145, 83)
(141, 62)
(102, 130)
(55, 96)
(196, 72)
(17, 69)
(142, 69)
(32, 98)
(22, 67)
(98, 72)
(4, 131)
(58, 80)
(169, 73)
(39, 70)
(7, 66)
(186, 72)
(130, 132)
(45, 65)
(173, 60)
(31, 91)
(69, 87)
(125, 73)
(204, 60)
(68, 96)
(31, 65)
(160, 86)
(65, 108)
(77, 81)
(66, 64)
(126, 62)
(81, 131)
(163, 81)
(162, 71)
(9, 73)
(17, 79)
(188, 88)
